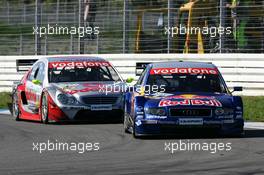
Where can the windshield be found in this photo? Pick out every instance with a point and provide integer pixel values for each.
(81, 72)
(188, 83)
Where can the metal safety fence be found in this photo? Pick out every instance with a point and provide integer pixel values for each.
(131, 26)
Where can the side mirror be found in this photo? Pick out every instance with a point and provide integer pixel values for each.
(238, 88)
(129, 80)
(36, 82)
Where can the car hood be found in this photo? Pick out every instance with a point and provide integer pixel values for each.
(180, 100)
(89, 88)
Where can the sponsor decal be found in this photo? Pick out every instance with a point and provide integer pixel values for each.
(151, 122)
(79, 64)
(226, 117)
(190, 96)
(165, 71)
(155, 117)
(228, 121)
(140, 112)
(239, 116)
(206, 103)
(139, 117)
(138, 123)
(161, 94)
(190, 121)
(33, 93)
(101, 107)
(86, 87)
(188, 100)
(238, 108)
(168, 122)
(195, 102)
(101, 88)
(212, 122)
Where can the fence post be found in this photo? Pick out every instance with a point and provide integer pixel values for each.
(7, 13)
(57, 11)
(74, 14)
(24, 13)
(125, 27)
(21, 45)
(71, 45)
(169, 25)
(222, 24)
(108, 13)
(81, 24)
(97, 44)
(37, 25)
(46, 44)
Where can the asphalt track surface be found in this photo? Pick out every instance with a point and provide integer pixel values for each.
(120, 153)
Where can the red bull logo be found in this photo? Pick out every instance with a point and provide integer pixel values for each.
(188, 100)
(190, 96)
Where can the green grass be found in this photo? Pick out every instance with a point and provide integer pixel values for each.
(4, 99)
(253, 106)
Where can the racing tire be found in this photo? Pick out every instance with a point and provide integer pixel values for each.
(135, 135)
(44, 109)
(126, 128)
(237, 135)
(125, 122)
(15, 108)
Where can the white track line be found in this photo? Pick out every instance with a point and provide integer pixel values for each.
(4, 111)
(254, 125)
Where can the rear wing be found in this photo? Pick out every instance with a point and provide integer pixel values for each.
(23, 65)
(140, 67)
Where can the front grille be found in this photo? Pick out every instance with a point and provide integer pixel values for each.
(99, 100)
(190, 112)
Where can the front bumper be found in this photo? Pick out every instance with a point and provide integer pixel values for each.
(86, 113)
(157, 127)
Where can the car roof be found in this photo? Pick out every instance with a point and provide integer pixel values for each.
(182, 64)
(74, 58)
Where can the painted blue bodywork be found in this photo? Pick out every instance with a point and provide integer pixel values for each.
(140, 123)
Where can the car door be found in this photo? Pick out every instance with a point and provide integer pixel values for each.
(34, 86)
(39, 84)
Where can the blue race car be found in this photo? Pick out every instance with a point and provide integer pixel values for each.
(173, 96)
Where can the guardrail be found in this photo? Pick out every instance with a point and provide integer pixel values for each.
(245, 70)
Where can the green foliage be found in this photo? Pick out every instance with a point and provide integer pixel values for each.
(5, 99)
(253, 108)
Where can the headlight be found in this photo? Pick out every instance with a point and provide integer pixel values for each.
(225, 111)
(66, 99)
(156, 111)
(219, 111)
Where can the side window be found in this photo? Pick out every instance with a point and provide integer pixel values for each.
(40, 72)
(109, 73)
(141, 78)
(34, 72)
